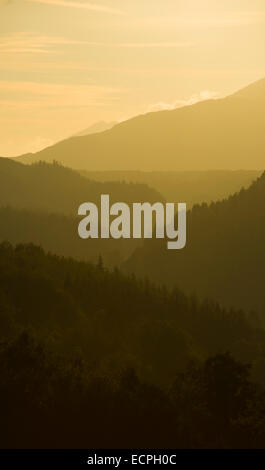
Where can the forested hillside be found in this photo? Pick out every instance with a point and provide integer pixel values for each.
(224, 257)
(39, 203)
(59, 234)
(54, 188)
(87, 354)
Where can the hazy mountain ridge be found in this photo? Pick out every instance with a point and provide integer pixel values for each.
(192, 187)
(214, 134)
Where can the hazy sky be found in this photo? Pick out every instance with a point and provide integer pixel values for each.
(65, 64)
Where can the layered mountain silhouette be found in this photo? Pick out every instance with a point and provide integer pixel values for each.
(224, 257)
(227, 133)
(81, 344)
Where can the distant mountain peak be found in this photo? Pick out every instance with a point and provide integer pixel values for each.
(95, 128)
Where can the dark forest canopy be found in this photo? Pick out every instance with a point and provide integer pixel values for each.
(224, 257)
(115, 320)
(92, 358)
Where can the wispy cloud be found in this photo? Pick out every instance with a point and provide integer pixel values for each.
(196, 98)
(80, 5)
(144, 45)
(234, 19)
(29, 95)
(30, 43)
(23, 42)
(228, 19)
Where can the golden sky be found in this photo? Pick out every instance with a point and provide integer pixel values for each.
(65, 64)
